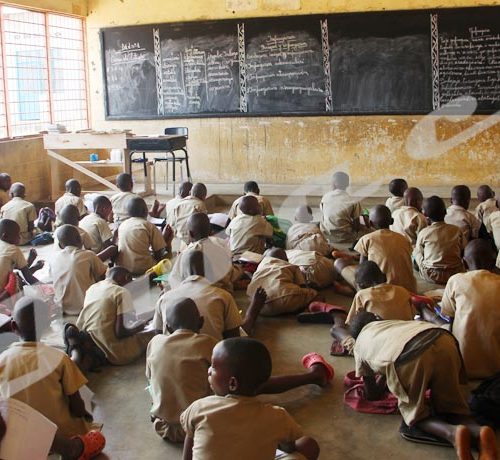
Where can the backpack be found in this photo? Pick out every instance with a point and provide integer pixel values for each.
(485, 401)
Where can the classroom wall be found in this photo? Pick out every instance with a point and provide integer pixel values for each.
(76, 7)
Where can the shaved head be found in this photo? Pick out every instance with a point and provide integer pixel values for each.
(194, 263)
(413, 197)
(484, 192)
(250, 206)
(18, 190)
(198, 226)
(460, 195)
(183, 314)
(70, 215)
(480, 255)
(303, 214)
(199, 190)
(68, 235)
(185, 189)
(124, 182)
(73, 186)
(340, 180)
(9, 231)
(5, 181)
(380, 217)
(137, 207)
(119, 275)
(31, 317)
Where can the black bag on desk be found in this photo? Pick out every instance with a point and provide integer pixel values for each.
(485, 401)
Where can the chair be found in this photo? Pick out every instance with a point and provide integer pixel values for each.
(178, 131)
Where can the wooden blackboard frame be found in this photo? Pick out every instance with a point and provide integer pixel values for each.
(235, 21)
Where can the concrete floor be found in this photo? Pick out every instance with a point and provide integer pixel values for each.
(122, 403)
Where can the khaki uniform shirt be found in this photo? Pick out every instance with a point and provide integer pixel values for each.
(439, 246)
(463, 219)
(11, 257)
(492, 224)
(391, 251)
(267, 209)
(318, 271)
(43, 377)
(484, 209)
(216, 305)
(104, 301)
(254, 428)
(395, 202)
(182, 212)
(169, 209)
(98, 229)
(218, 263)
(248, 233)
(136, 239)
(69, 198)
(408, 221)
(119, 202)
(73, 271)
(277, 277)
(307, 237)
(177, 366)
(23, 212)
(385, 300)
(472, 300)
(339, 211)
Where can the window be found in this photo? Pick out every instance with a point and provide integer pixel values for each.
(42, 72)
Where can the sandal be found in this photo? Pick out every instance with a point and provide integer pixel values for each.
(315, 358)
(315, 318)
(316, 307)
(337, 349)
(93, 444)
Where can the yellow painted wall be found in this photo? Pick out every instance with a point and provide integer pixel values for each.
(76, 7)
(292, 150)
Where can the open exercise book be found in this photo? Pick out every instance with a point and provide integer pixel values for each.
(29, 434)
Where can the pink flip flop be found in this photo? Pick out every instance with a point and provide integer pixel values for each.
(93, 444)
(337, 349)
(315, 358)
(322, 307)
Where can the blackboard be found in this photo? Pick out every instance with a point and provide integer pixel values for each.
(399, 62)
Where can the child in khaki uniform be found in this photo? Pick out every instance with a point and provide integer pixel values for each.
(73, 270)
(469, 300)
(391, 251)
(219, 268)
(21, 211)
(438, 252)
(5, 184)
(184, 191)
(187, 207)
(492, 224)
(319, 271)
(284, 284)
(248, 231)
(72, 196)
(96, 224)
(340, 212)
(251, 188)
(408, 219)
(397, 188)
(458, 215)
(487, 203)
(109, 322)
(140, 244)
(306, 235)
(54, 392)
(69, 215)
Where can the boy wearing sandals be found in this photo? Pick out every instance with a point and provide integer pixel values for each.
(54, 389)
(240, 370)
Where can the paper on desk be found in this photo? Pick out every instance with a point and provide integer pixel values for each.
(29, 434)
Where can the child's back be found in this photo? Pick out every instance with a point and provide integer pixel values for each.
(307, 237)
(397, 187)
(21, 211)
(248, 233)
(251, 188)
(458, 214)
(186, 207)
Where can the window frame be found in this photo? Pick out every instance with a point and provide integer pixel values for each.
(10, 124)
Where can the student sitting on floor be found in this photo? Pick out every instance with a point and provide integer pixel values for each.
(458, 215)
(408, 219)
(414, 356)
(11, 257)
(119, 201)
(73, 270)
(21, 211)
(390, 250)
(239, 369)
(69, 216)
(487, 203)
(96, 224)
(340, 212)
(107, 330)
(284, 284)
(187, 207)
(439, 247)
(470, 301)
(71, 196)
(249, 230)
(5, 184)
(397, 188)
(306, 235)
(251, 188)
(140, 244)
(319, 271)
(216, 305)
(219, 269)
(184, 191)
(492, 224)
(387, 301)
(53, 391)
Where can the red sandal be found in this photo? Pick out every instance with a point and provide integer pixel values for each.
(315, 358)
(93, 444)
(322, 307)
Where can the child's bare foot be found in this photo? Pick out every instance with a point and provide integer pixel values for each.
(487, 444)
(463, 443)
